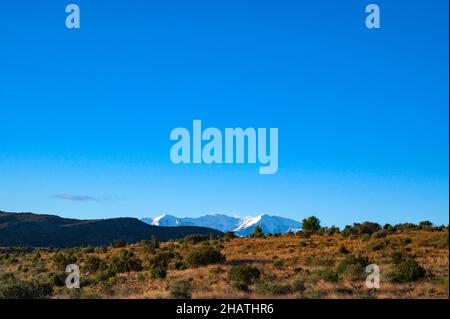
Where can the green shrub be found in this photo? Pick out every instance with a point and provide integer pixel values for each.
(343, 250)
(378, 245)
(204, 256)
(272, 288)
(57, 279)
(62, 260)
(257, 232)
(298, 285)
(12, 288)
(94, 264)
(407, 270)
(380, 234)
(332, 230)
(241, 276)
(311, 224)
(158, 272)
(151, 245)
(125, 261)
(328, 275)
(105, 275)
(229, 236)
(160, 259)
(354, 267)
(181, 290)
(195, 239)
(178, 265)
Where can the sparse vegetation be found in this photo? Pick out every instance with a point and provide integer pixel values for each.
(413, 261)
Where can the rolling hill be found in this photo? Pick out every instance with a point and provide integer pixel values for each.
(37, 230)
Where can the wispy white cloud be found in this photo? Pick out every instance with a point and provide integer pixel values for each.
(75, 198)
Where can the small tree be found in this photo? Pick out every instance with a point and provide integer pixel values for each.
(311, 224)
(258, 232)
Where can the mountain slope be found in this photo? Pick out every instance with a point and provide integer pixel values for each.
(240, 226)
(35, 230)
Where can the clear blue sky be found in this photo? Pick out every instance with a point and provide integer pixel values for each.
(362, 114)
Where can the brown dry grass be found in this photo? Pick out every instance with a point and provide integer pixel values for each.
(280, 258)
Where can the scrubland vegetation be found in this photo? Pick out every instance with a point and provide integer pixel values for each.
(317, 262)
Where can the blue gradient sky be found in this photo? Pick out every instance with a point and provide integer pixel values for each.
(362, 114)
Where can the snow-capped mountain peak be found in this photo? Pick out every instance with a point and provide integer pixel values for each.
(240, 226)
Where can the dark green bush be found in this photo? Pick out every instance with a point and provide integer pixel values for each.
(407, 270)
(12, 288)
(125, 261)
(343, 250)
(160, 259)
(62, 260)
(204, 256)
(311, 224)
(178, 265)
(272, 288)
(354, 267)
(181, 290)
(380, 234)
(332, 230)
(105, 275)
(158, 272)
(229, 236)
(257, 232)
(94, 264)
(195, 239)
(151, 245)
(241, 276)
(379, 245)
(328, 275)
(57, 279)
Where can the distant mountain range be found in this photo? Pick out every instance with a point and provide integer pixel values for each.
(240, 226)
(36, 230)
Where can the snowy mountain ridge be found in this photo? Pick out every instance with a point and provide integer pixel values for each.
(244, 226)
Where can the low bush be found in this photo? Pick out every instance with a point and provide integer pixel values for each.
(378, 245)
(158, 272)
(151, 245)
(12, 288)
(406, 270)
(195, 239)
(181, 290)
(241, 276)
(258, 232)
(327, 275)
(353, 267)
(57, 279)
(94, 264)
(380, 234)
(62, 260)
(272, 288)
(204, 256)
(125, 261)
